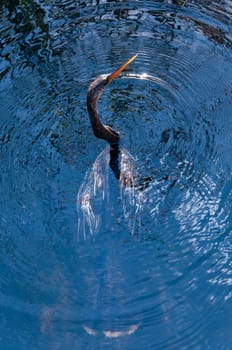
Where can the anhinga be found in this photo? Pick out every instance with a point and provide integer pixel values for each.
(94, 92)
(94, 192)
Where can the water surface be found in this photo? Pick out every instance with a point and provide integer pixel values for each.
(89, 260)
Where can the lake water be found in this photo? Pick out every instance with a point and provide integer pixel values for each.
(89, 259)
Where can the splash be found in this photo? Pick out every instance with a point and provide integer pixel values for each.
(113, 334)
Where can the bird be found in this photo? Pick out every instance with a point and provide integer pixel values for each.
(94, 92)
(94, 197)
(94, 193)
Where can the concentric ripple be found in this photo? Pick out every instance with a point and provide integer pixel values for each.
(127, 248)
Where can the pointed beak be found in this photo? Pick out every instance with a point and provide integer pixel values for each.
(113, 75)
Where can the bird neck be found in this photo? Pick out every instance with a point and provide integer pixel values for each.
(100, 130)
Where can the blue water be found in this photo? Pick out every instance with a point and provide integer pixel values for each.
(89, 261)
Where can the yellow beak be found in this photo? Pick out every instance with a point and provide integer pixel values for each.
(113, 75)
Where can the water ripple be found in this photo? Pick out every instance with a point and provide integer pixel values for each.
(152, 264)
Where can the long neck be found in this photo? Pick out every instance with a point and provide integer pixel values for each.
(100, 130)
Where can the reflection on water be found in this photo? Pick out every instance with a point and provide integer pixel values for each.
(151, 268)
